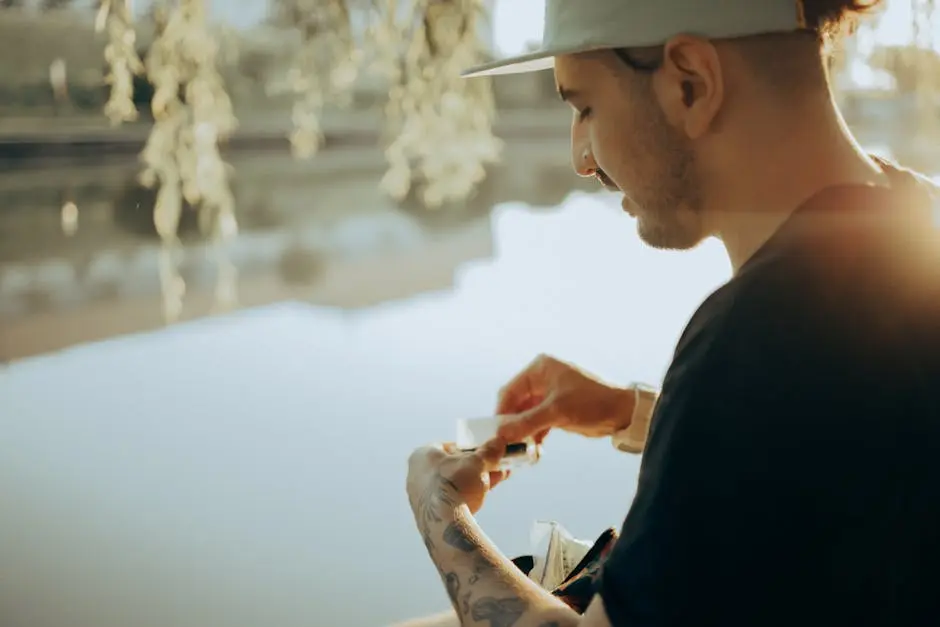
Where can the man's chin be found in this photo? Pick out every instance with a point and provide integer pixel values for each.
(655, 236)
(679, 230)
(629, 207)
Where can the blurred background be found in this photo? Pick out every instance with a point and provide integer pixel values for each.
(253, 252)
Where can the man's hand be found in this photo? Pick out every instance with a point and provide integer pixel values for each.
(552, 394)
(445, 487)
(442, 478)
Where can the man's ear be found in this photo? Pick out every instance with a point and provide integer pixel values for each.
(690, 85)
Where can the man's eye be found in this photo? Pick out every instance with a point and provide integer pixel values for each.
(584, 113)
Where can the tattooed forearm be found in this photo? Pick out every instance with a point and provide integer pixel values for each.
(485, 589)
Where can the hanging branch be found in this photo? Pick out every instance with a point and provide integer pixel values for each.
(324, 69)
(386, 41)
(121, 56)
(440, 124)
(192, 113)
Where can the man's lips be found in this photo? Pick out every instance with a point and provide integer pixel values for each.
(605, 181)
(610, 186)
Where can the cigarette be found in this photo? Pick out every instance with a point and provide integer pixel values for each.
(517, 448)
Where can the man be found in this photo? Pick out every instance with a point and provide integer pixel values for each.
(792, 470)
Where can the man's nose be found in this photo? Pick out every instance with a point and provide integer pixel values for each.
(582, 159)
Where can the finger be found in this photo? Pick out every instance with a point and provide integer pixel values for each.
(514, 397)
(523, 391)
(498, 476)
(540, 436)
(532, 422)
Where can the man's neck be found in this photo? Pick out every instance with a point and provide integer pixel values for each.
(804, 158)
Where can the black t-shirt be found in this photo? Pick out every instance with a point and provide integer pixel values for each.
(792, 473)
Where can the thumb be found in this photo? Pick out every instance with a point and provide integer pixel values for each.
(529, 423)
(491, 453)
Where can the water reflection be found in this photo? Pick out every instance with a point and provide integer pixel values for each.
(248, 469)
(316, 231)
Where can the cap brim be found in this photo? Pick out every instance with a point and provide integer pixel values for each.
(532, 62)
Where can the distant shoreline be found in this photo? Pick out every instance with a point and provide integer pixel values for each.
(27, 139)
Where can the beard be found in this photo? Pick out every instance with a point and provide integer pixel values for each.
(668, 202)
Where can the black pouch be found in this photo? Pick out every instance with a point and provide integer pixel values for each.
(579, 586)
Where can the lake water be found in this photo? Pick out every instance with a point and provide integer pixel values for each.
(248, 469)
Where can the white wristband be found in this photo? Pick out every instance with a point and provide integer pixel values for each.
(633, 438)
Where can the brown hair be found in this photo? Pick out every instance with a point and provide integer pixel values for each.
(782, 57)
(830, 17)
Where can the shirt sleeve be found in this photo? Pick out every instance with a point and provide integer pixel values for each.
(719, 487)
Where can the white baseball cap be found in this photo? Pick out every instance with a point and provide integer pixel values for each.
(573, 26)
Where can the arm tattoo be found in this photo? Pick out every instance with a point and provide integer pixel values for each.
(436, 497)
(452, 583)
(456, 536)
(498, 612)
(480, 568)
(460, 602)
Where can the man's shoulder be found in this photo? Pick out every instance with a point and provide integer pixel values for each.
(901, 176)
(853, 282)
